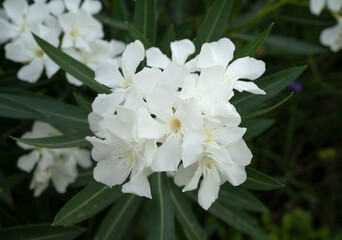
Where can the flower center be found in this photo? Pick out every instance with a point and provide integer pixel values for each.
(39, 53)
(208, 163)
(75, 33)
(210, 137)
(175, 125)
(22, 26)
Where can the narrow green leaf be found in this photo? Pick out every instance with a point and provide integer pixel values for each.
(84, 178)
(144, 19)
(63, 141)
(256, 127)
(161, 220)
(5, 193)
(266, 110)
(83, 103)
(254, 45)
(119, 218)
(271, 84)
(259, 181)
(185, 216)
(71, 66)
(12, 109)
(168, 38)
(137, 35)
(239, 198)
(214, 23)
(110, 22)
(85, 204)
(40, 232)
(238, 219)
(52, 111)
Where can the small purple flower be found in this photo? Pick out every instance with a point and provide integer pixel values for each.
(296, 86)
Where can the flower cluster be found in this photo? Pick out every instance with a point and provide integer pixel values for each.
(172, 116)
(65, 23)
(332, 36)
(58, 165)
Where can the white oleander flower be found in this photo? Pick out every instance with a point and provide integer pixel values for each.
(316, 6)
(20, 17)
(90, 6)
(26, 50)
(55, 7)
(57, 165)
(100, 50)
(332, 36)
(220, 53)
(79, 28)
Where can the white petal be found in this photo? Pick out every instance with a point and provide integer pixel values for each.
(184, 175)
(147, 127)
(110, 172)
(240, 153)
(335, 5)
(42, 129)
(210, 78)
(105, 104)
(94, 120)
(116, 47)
(72, 5)
(227, 112)
(108, 74)
(181, 50)
(168, 156)
(192, 148)
(155, 58)
(101, 145)
(91, 6)
(192, 184)
(32, 71)
(220, 155)
(146, 80)
(228, 135)
(38, 190)
(50, 66)
(46, 159)
(235, 174)
(28, 161)
(7, 31)
(189, 87)
(245, 68)
(56, 7)
(139, 186)
(209, 190)
(82, 157)
(131, 58)
(18, 51)
(37, 12)
(190, 114)
(248, 87)
(216, 53)
(316, 6)
(15, 9)
(173, 76)
(73, 80)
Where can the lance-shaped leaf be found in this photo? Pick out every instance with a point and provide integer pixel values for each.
(254, 45)
(52, 111)
(119, 218)
(110, 22)
(160, 219)
(256, 126)
(145, 18)
(239, 198)
(214, 23)
(12, 109)
(185, 216)
(83, 179)
(40, 232)
(63, 141)
(71, 66)
(5, 194)
(271, 84)
(85, 204)
(168, 38)
(83, 103)
(259, 181)
(136, 34)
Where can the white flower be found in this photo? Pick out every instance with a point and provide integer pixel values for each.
(90, 6)
(332, 36)
(20, 18)
(100, 50)
(55, 7)
(316, 6)
(26, 50)
(220, 53)
(79, 29)
(58, 165)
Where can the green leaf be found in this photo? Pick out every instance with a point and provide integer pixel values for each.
(137, 35)
(40, 232)
(110, 22)
(52, 111)
(239, 198)
(71, 66)
(83, 179)
(266, 110)
(63, 141)
(144, 19)
(238, 219)
(84, 104)
(214, 23)
(271, 84)
(119, 218)
(5, 194)
(168, 38)
(161, 220)
(185, 216)
(256, 127)
(12, 109)
(254, 45)
(85, 204)
(259, 181)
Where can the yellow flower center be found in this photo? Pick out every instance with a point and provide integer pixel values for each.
(75, 33)
(39, 53)
(175, 125)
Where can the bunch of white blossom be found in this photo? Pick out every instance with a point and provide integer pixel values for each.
(65, 23)
(57, 165)
(172, 116)
(332, 36)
